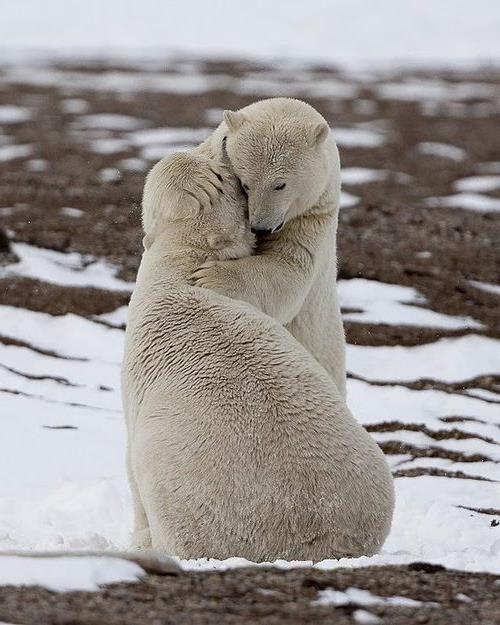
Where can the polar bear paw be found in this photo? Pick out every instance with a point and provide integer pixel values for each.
(199, 177)
(214, 275)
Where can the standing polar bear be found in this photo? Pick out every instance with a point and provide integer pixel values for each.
(240, 444)
(286, 159)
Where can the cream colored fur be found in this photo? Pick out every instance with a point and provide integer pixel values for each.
(292, 276)
(239, 442)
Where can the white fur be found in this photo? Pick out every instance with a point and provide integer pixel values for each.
(239, 442)
(292, 277)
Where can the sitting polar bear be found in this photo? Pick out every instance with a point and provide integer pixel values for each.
(239, 442)
(283, 153)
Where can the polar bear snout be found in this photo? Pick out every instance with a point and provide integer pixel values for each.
(266, 217)
(266, 231)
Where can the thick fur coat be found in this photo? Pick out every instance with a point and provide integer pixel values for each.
(240, 444)
(286, 159)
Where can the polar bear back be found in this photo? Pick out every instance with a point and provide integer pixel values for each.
(244, 431)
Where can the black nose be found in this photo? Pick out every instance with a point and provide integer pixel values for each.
(265, 231)
(261, 231)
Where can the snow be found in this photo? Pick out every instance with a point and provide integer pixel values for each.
(108, 146)
(432, 89)
(68, 335)
(154, 143)
(346, 32)
(75, 106)
(392, 303)
(69, 211)
(37, 165)
(487, 288)
(62, 434)
(365, 618)
(169, 136)
(348, 199)
(11, 152)
(448, 360)
(132, 164)
(117, 318)
(372, 403)
(468, 201)
(110, 174)
(464, 598)
(361, 175)
(306, 84)
(358, 137)
(443, 150)
(358, 596)
(480, 184)
(13, 114)
(122, 82)
(110, 121)
(69, 573)
(71, 269)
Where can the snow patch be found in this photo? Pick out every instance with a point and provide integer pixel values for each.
(479, 184)
(487, 288)
(432, 89)
(365, 618)
(75, 106)
(63, 574)
(37, 165)
(132, 164)
(110, 121)
(448, 359)
(12, 152)
(361, 175)
(108, 145)
(443, 150)
(393, 304)
(13, 114)
(358, 138)
(358, 596)
(66, 269)
(168, 136)
(70, 212)
(110, 174)
(468, 201)
(348, 199)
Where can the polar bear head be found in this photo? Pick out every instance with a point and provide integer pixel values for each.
(281, 153)
(217, 229)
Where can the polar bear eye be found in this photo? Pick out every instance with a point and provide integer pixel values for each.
(280, 186)
(245, 186)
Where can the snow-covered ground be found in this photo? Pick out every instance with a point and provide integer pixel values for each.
(62, 435)
(69, 573)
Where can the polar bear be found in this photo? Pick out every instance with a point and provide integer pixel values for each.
(286, 158)
(240, 444)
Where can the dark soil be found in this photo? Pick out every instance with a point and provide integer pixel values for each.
(267, 596)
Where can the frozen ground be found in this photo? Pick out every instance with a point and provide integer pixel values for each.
(419, 289)
(62, 434)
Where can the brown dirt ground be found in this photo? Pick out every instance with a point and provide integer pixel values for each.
(258, 595)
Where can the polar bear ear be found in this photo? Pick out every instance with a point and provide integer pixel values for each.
(319, 133)
(234, 120)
